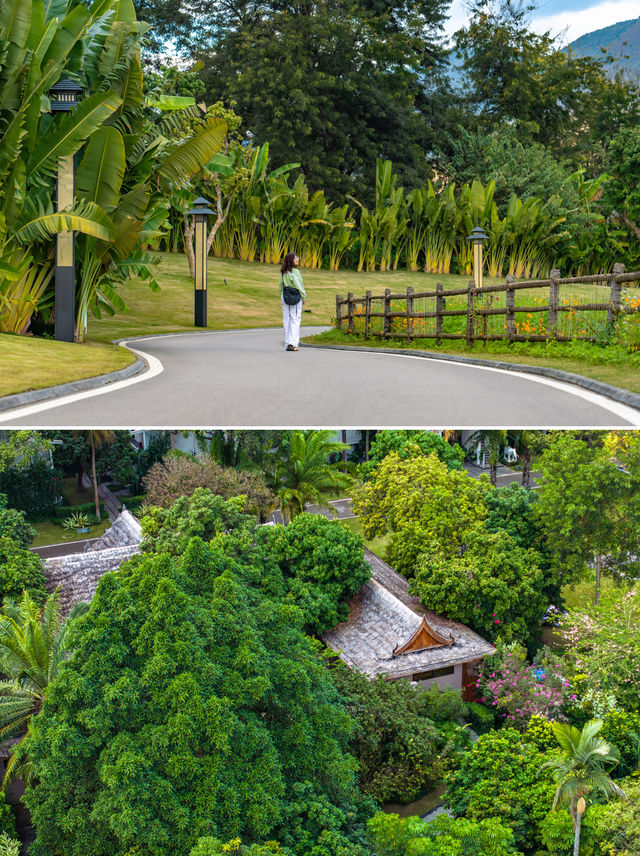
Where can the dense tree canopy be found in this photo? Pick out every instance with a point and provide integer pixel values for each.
(192, 706)
(409, 443)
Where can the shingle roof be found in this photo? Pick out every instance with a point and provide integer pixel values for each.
(383, 616)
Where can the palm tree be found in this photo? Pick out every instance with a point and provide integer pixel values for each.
(584, 767)
(305, 473)
(32, 648)
(527, 443)
(96, 440)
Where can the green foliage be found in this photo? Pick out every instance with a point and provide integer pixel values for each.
(322, 564)
(20, 570)
(192, 706)
(77, 520)
(499, 777)
(495, 587)
(401, 752)
(214, 847)
(615, 827)
(539, 732)
(622, 729)
(480, 717)
(14, 525)
(407, 444)
(26, 476)
(7, 828)
(397, 836)
(421, 502)
(62, 512)
(202, 515)
(305, 472)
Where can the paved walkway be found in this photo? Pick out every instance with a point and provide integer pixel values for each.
(244, 378)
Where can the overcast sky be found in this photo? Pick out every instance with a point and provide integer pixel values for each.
(575, 17)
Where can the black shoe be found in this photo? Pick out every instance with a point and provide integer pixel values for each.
(290, 348)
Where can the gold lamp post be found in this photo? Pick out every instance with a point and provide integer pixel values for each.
(478, 236)
(200, 212)
(63, 97)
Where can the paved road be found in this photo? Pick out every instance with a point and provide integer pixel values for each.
(244, 378)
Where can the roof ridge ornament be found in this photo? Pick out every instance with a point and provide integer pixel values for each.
(424, 637)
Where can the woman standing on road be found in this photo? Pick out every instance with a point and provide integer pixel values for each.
(292, 297)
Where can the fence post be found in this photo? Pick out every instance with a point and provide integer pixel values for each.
(367, 314)
(470, 311)
(511, 308)
(351, 323)
(439, 310)
(410, 291)
(554, 302)
(616, 290)
(339, 300)
(386, 327)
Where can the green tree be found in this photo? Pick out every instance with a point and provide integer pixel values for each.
(332, 85)
(406, 444)
(401, 750)
(589, 508)
(500, 777)
(305, 474)
(27, 478)
(13, 524)
(32, 649)
(584, 768)
(421, 502)
(20, 570)
(404, 836)
(494, 441)
(202, 515)
(192, 706)
(322, 563)
(622, 190)
(97, 440)
(495, 586)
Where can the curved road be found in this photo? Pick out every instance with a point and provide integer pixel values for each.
(244, 378)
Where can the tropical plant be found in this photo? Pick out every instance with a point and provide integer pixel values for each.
(382, 228)
(78, 520)
(493, 440)
(583, 769)
(306, 473)
(32, 649)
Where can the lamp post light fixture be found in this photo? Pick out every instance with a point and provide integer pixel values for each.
(63, 97)
(478, 236)
(200, 212)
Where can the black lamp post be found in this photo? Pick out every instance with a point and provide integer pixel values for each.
(63, 97)
(200, 212)
(478, 236)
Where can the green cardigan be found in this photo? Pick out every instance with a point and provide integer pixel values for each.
(294, 279)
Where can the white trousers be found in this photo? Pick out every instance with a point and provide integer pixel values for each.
(291, 316)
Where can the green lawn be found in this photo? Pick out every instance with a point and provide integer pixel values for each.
(31, 363)
(50, 533)
(610, 365)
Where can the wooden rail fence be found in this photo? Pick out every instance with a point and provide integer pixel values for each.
(476, 312)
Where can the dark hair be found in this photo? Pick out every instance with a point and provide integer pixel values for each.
(287, 264)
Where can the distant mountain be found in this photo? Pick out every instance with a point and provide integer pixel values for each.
(621, 41)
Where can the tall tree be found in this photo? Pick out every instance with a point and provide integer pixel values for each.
(583, 768)
(331, 84)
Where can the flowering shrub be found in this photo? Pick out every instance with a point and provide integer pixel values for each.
(520, 691)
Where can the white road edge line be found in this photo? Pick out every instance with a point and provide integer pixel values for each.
(622, 411)
(155, 368)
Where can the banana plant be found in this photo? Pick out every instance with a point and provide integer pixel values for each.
(342, 235)
(475, 204)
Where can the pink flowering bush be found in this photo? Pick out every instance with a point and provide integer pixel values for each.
(519, 691)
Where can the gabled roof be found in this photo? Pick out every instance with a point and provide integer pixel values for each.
(388, 631)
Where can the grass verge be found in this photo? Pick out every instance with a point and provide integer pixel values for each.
(611, 364)
(50, 533)
(31, 363)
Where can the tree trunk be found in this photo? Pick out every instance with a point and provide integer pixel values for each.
(526, 469)
(189, 229)
(598, 574)
(344, 451)
(576, 840)
(366, 444)
(95, 480)
(493, 472)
